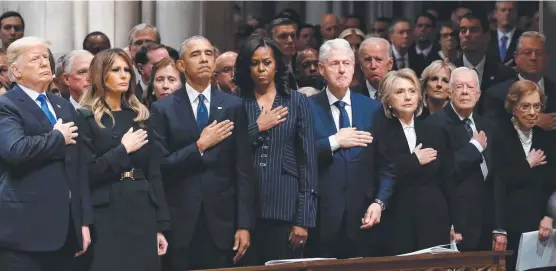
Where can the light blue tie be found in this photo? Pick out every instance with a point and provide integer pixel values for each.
(503, 50)
(45, 109)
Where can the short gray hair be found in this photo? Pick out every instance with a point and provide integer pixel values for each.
(461, 69)
(530, 35)
(18, 48)
(184, 44)
(59, 69)
(139, 27)
(67, 64)
(335, 44)
(375, 40)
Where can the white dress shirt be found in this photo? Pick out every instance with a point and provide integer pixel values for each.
(509, 34)
(540, 83)
(410, 135)
(397, 57)
(194, 98)
(336, 114)
(480, 68)
(424, 52)
(372, 90)
(526, 137)
(74, 103)
(34, 95)
(484, 168)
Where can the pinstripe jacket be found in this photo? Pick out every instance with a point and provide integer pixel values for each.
(285, 162)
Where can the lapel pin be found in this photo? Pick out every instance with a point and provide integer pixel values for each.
(220, 107)
(58, 106)
(492, 78)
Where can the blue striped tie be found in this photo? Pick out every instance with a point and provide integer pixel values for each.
(202, 113)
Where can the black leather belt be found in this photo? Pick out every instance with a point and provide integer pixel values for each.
(134, 174)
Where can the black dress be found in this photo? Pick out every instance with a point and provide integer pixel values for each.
(128, 213)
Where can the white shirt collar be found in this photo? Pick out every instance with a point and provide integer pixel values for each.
(143, 86)
(460, 116)
(32, 93)
(410, 125)
(194, 94)
(479, 68)
(425, 51)
(509, 34)
(441, 54)
(540, 83)
(332, 99)
(74, 103)
(397, 54)
(372, 91)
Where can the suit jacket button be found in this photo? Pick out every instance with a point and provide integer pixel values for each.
(55, 157)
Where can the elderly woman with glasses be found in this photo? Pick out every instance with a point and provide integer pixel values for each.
(434, 80)
(418, 215)
(523, 181)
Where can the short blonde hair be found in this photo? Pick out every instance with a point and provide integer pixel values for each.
(352, 31)
(387, 86)
(520, 89)
(308, 91)
(434, 68)
(19, 47)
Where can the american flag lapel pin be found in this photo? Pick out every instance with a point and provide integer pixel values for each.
(219, 108)
(58, 106)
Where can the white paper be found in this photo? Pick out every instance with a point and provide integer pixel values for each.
(534, 253)
(275, 262)
(449, 248)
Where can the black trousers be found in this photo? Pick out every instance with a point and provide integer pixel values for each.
(201, 253)
(270, 241)
(59, 260)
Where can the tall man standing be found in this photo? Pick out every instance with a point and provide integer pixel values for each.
(350, 161)
(207, 167)
(44, 193)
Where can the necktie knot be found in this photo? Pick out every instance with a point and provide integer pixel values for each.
(467, 123)
(504, 38)
(42, 99)
(201, 98)
(44, 107)
(340, 104)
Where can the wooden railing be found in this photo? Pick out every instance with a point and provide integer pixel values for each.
(487, 260)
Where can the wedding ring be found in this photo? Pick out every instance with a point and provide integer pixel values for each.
(301, 242)
(278, 116)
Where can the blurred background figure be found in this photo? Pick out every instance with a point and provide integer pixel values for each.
(95, 42)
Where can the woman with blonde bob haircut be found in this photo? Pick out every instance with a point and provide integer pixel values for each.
(418, 215)
(126, 189)
(435, 83)
(524, 182)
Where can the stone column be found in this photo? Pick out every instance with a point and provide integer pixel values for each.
(148, 12)
(314, 11)
(547, 13)
(178, 20)
(221, 31)
(127, 15)
(377, 9)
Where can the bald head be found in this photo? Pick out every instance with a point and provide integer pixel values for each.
(329, 26)
(224, 72)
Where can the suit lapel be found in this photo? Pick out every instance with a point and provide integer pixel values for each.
(184, 110)
(60, 112)
(26, 102)
(324, 114)
(216, 108)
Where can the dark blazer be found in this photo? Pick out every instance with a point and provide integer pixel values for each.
(348, 185)
(220, 181)
(474, 210)
(285, 162)
(37, 172)
(362, 88)
(494, 50)
(523, 191)
(418, 63)
(497, 94)
(139, 91)
(493, 73)
(419, 216)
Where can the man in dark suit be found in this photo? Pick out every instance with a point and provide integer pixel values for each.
(425, 49)
(355, 177)
(503, 41)
(207, 166)
(475, 35)
(400, 36)
(283, 31)
(307, 69)
(45, 205)
(476, 215)
(375, 59)
(148, 54)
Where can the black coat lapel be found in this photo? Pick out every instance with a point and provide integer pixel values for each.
(216, 108)
(185, 112)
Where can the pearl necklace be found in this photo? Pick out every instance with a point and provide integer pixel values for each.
(526, 138)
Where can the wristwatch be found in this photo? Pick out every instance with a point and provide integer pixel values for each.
(382, 205)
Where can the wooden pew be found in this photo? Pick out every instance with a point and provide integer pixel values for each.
(484, 260)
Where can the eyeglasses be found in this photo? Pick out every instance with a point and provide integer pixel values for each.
(526, 107)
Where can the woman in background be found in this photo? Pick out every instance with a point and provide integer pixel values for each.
(126, 191)
(165, 79)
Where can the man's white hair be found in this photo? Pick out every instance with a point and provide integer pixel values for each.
(67, 63)
(376, 40)
(335, 44)
(184, 44)
(530, 35)
(462, 69)
(139, 27)
(19, 47)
